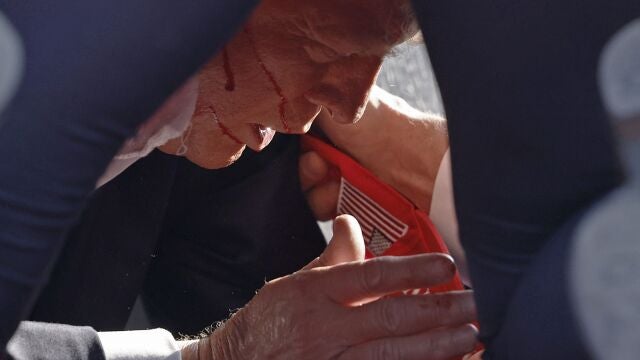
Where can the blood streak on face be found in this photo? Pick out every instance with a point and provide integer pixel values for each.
(231, 83)
(272, 79)
(225, 130)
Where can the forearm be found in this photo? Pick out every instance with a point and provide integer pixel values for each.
(221, 344)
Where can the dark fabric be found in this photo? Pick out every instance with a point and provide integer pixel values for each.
(94, 70)
(103, 264)
(225, 234)
(33, 341)
(541, 320)
(530, 148)
(210, 237)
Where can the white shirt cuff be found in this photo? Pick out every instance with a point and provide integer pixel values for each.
(156, 344)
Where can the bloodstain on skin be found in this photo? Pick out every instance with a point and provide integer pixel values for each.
(272, 79)
(225, 130)
(231, 82)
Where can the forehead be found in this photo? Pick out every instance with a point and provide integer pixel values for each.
(349, 26)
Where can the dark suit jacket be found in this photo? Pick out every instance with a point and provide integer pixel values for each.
(195, 243)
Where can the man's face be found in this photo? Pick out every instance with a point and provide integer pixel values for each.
(292, 59)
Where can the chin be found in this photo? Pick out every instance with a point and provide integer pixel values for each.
(216, 161)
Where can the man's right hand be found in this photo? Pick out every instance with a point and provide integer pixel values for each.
(332, 310)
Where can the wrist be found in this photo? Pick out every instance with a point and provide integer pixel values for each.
(225, 343)
(189, 349)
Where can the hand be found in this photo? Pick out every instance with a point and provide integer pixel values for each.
(338, 311)
(322, 194)
(399, 144)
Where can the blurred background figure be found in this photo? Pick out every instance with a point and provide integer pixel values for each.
(606, 258)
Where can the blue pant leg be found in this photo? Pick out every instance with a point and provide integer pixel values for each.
(529, 141)
(93, 71)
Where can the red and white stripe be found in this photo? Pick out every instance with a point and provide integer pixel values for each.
(369, 214)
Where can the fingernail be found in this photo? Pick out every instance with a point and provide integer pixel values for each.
(466, 337)
(451, 264)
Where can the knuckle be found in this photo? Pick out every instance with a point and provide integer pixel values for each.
(460, 311)
(268, 288)
(291, 286)
(373, 276)
(386, 350)
(451, 308)
(301, 282)
(389, 317)
(441, 307)
(454, 342)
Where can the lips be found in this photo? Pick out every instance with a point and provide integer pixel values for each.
(255, 136)
(263, 136)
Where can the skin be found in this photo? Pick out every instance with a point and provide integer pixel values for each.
(409, 166)
(318, 61)
(390, 127)
(316, 314)
(323, 54)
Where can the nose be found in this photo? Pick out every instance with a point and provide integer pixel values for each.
(345, 86)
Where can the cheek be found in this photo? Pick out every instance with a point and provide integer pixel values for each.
(288, 64)
(250, 97)
(300, 74)
(297, 75)
(302, 113)
(262, 97)
(260, 83)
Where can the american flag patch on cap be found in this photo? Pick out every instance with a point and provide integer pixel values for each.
(380, 229)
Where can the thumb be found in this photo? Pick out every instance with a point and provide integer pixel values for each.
(346, 245)
(321, 193)
(313, 169)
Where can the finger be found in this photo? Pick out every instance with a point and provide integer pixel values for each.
(312, 169)
(354, 282)
(323, 200)
(407, 315)
(443, 343)
(346, 244)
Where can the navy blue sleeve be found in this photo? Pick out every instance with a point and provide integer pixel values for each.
(530, 148)
(93, 71)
